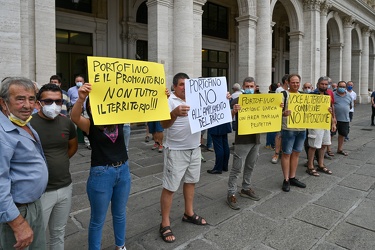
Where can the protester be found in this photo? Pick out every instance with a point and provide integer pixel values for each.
(59, 141)
(182, 160)
(23, 171)
(109, 180)
(245, 156)
(349, 89)
(275, 157)
(55, 79)
(372, 108)
(320, 138)
(343, 105)
(156, 130)
(292, 140)
(219, 136)
(271, 136)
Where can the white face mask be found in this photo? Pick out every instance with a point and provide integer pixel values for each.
(79, 84)
(51, 111)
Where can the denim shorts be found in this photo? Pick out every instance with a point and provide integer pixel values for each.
(154, 127)
(292, 141)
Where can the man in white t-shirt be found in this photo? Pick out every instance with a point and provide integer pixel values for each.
(349, 89)
(182, 159)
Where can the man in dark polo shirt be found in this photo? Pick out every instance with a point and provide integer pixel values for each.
(59, 141)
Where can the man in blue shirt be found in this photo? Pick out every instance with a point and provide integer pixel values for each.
(23, 172)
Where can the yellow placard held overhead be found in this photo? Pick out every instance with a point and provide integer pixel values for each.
(309, 111)
(260, 113)
(125, 91)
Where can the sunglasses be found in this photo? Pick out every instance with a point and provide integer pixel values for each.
(50, 101)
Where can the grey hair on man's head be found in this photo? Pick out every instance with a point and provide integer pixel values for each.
(248, 79)
(19, 81)
(324, 78)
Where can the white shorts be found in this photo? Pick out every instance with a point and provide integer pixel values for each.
(319, 137)
(181, 164)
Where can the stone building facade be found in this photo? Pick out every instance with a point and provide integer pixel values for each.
(260, 38)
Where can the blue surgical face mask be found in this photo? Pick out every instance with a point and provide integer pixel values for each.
(79, 84)
(341, 90)
(350, 88)
(248, 91)
(307, 90)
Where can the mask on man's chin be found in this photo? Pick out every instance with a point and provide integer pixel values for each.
(17, 120)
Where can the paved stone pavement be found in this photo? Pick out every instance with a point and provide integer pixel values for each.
(333, 212)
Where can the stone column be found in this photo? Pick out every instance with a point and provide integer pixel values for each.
(295, 55)
(246, 46)
(45, 40)
(131, 40)
(323, 37)
(183, 37)
(263, 46)
(114, 29)
(311, 47)
(197, 15)
(372, 72)
(347, 50)
(335, 63)
(158, 32)
(363, 88)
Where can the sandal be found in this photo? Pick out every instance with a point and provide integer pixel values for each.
(330, 153)
(342, 152)
(165, 235)
(312, 172)
(324, 169)
(195, 219)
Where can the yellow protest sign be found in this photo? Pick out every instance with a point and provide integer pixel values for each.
(309, 111)
(125, 91)
(260, 113)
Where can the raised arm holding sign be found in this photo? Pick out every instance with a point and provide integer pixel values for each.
(125, 91)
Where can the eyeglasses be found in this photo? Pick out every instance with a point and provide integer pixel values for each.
(50, 101)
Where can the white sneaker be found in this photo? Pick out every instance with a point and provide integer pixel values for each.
(122, 248)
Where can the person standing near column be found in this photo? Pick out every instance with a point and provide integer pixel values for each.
(59, 141)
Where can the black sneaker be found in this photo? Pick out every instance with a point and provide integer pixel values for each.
(297, 183)
(286, 186)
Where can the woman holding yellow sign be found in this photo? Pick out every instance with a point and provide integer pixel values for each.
(109, 179)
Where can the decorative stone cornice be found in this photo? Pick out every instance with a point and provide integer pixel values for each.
(324, 7)
(166, 3)
(366, 31)
(309, 5)
(247, 20)
(296, 35)
(348, 21)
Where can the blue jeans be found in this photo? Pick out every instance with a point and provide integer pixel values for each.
(222, 152)
(108, 184)
(209, 140)
(270, 139)
(126, 130)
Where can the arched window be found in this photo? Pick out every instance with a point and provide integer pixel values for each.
(142, 16)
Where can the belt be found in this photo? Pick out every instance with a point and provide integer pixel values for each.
(116, 164)
(22, 205)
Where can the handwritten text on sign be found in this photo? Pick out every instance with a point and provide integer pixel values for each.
(209, 106)
(309, 111)
(127, 91)
(259, 113)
